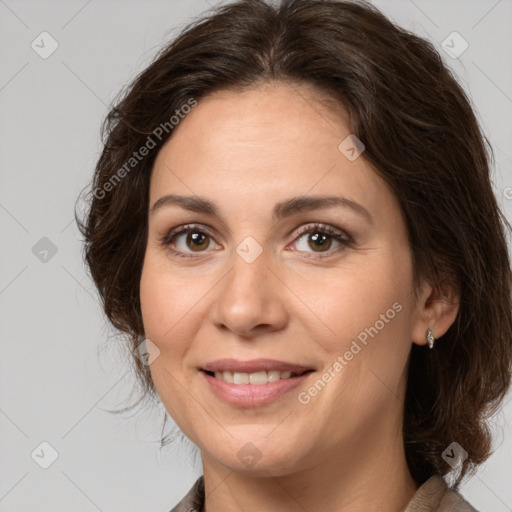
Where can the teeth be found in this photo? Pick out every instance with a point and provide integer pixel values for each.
(256, 378)
(273, 375)
(240, 378)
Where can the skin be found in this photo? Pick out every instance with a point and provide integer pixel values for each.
(247, 151)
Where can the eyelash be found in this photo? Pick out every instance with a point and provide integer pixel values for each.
(325, 229)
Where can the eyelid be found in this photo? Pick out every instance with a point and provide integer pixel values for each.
(323, 228)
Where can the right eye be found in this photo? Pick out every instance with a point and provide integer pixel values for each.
(186, 240)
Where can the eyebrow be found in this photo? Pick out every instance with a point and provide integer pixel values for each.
(281, 210)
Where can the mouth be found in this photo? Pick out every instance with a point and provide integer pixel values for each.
(253, 383)
(256, 371)
(255, 378)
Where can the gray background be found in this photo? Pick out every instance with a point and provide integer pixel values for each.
(59, 374)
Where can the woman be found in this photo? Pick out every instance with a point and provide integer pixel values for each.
(293, 213)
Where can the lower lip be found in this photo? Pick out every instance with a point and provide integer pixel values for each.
(252, 395)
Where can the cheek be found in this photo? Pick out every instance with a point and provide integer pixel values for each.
(162, 308)
(345, 302)
(158, 303)
(166, 299)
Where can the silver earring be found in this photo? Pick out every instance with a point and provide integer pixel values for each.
(430, 338)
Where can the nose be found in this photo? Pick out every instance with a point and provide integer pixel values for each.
(250, 299)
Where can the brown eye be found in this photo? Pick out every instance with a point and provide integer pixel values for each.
(323, 239)
(197, 241)
(320, 239)
(186, 240)
(190, 241)
(318, 242)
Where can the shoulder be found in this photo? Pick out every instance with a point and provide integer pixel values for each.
(453, 501)
(435, 496)
(194, 500)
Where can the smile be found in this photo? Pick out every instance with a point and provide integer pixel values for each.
(255, 378)
(252, 383)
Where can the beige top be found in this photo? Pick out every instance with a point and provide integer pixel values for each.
(432, 496)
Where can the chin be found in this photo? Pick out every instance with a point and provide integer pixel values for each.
(259, 456)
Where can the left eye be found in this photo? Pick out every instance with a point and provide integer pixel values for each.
(320, 239)
(317, 241)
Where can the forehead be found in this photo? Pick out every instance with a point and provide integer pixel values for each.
(274, 140)
(270, 114)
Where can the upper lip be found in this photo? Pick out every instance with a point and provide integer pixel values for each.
(253, 365)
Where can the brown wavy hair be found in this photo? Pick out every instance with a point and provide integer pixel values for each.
(420, 133)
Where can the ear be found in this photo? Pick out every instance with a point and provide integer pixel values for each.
(437, 308)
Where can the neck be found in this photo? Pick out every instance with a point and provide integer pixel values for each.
(368, 475)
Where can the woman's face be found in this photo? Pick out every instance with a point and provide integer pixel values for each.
(266, 280)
